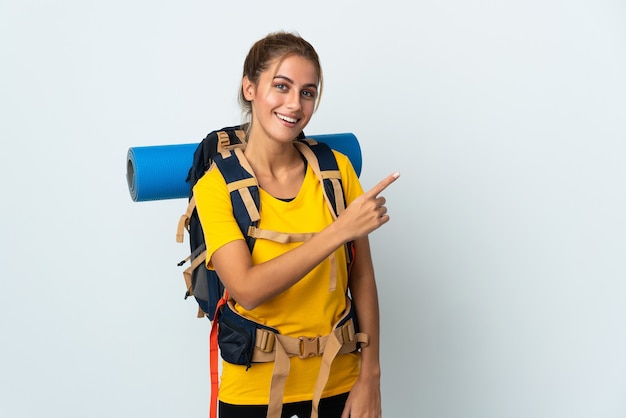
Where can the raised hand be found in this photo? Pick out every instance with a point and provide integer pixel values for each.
(367, 212)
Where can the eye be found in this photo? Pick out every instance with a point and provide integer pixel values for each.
(281, 86)
(308, 94)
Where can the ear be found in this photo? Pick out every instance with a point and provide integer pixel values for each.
(248, 88)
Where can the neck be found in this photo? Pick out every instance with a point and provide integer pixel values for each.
(278, 166)
(270, 155)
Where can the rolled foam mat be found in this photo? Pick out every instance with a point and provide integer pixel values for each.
(158, 172)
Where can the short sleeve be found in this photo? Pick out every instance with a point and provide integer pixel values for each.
(215, 212)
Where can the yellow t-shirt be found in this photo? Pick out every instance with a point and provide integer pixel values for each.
(308, 308)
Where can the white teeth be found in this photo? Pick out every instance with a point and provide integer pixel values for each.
(287, 119)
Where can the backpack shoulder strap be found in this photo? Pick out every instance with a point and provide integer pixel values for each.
(324, 164)
(243, 188)
(214, 143)
(211, 145)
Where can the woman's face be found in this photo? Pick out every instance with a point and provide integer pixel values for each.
(284, 98)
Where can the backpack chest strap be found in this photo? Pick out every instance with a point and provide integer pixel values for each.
(287, 237)
(280, 237)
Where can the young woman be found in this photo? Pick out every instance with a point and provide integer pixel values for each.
(286, 286)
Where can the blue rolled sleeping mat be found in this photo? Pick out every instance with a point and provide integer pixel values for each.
(158, 172)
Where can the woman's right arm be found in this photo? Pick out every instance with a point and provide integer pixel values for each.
(251, 285)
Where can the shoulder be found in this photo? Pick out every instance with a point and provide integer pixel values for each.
(350, 180)
(211, 183)
(344, 165)
(343, 162)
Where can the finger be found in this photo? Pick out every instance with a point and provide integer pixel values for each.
(383, 184)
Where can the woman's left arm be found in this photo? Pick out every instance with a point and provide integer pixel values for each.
(364, 400)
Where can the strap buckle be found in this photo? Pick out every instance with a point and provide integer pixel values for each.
(266, 342)
(309, 347)
(347, 332)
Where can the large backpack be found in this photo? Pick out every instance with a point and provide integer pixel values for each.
(240, 340)
(203, 283)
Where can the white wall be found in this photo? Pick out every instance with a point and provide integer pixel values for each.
(502, 273)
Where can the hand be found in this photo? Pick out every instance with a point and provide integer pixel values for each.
(364, 400)
(367, 212)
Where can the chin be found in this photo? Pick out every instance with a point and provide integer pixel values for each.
(284, 135)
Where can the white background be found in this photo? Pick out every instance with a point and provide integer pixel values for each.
(501, 275)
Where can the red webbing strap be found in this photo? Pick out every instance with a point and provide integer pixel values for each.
(213, 357)
(213, 364)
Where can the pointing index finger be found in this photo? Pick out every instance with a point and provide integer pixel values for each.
(383, 184)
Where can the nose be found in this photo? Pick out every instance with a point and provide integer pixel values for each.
(293, 101)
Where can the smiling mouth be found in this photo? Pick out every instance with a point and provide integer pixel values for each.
(286, 118)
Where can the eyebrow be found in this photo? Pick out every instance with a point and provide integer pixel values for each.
(313, 85)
